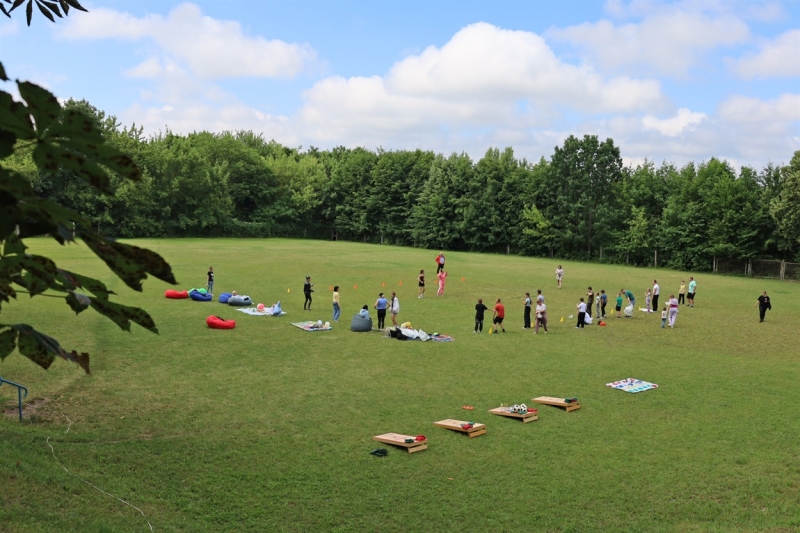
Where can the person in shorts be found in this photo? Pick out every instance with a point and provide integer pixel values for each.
(421, 283)
(395, 308)
(692, 291)
(499, 315)
(480, 309)
(559, 275)
(618, 307)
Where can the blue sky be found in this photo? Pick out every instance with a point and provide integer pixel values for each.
(674, 81)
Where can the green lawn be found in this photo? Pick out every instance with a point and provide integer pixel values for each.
(268, 428)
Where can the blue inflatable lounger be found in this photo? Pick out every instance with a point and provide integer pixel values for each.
(198, 296)
(240, 300)
(223, 298)
(359, 324)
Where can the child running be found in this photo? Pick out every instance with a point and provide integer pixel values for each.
(498, 316)
(480, 309)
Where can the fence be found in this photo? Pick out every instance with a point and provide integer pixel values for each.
(758, 268)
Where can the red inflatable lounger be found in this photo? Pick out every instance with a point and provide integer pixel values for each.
(215, 322)
(176, 295)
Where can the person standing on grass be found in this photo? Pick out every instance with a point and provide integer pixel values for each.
(692, 291)
(421, 283)
(603, 302)
(581, 314)
(442, 277)
(307, 290)
(380, 305)
(589, 301)
(673, 310)
(682, 293)
(763, 304)
(656, 292)
(631, 298)
(336, 309)
(395, 305)
(664, 317)
(541, 316)
(440, 262)
(559, 275)
(647, 298)
(526, 317)
(618, 307)
(480, 309)
(539, 296)
(210, 283)
(498, 315)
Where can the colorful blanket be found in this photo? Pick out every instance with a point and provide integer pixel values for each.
(442, 338)
(632, 385)
(307, 326)
(255, 312)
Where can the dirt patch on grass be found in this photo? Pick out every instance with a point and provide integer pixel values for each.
(34, 410)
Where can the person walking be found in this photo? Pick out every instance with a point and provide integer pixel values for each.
(395, 305)
(421, 283)
(498, 315)
(603, 302)
(526, 319)
(442, 276)
(682, 293)
(380, 305)
(692, 291)
(210, 282)
(589, 301)
(764, 305)
(581, 315)
(673, 310)
(664, 317)
(480, 309)
(656, 292)
(559, 275)
(618, 307)
(307, 290)
(541, 316)
(440, 262)
(336, 309)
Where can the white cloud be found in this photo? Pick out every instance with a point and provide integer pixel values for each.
(778, 57)
(211, 48)
(746, 110)
(670, 39)
(9, 28)
(672, 127)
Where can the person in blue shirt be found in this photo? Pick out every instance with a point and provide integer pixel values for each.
(381, 304)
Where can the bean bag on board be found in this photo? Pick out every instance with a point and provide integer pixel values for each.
(215, 322)
(198, 296)
(359, 323)
(223, 298)
(176, 295)
(240, 300)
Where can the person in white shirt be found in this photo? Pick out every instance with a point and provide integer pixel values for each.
(541, 316)
(656, 292)
(673, 310)
(559, 275)
(664, 317)
(395, 306)
(581, 314)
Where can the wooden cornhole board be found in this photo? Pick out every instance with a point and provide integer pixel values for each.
(558, 402)
(396, 439)
(455, 425)
(527, 417)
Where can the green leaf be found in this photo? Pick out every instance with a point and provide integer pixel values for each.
(122, 315)
(16, 4)
(130, 263)
(3, 75)
(64, 6)
(78, 302)
(6, 292)
(6, 13)
(52, 6)
(13, 245)
(41, 103)
(76, 5)
(15, 118)
(7, 140)
(42, 349)
(74, 281)
(51, 158)
(8, 341)
(29, 13)
(45, 12)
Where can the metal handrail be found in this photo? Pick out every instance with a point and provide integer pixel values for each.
(20, 388)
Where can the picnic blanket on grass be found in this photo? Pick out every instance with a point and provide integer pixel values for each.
(255, 312)
(442, 338)
(307, 326)
(632, 385)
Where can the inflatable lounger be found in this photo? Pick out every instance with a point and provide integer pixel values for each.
(240, 300)
(198, 296)
(176, 295)
(361, 324)
(408, 442)
(215, 322)
(255, 312)
(223, 298)
(307, 326)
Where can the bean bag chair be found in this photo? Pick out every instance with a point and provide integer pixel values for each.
(359, 323)
(240, 300)
(215, 322)
(198, 296)
(223, 298)
(176, 295)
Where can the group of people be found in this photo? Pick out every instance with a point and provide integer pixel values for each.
(441, 275)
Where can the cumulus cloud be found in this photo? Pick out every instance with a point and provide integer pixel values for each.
(211, 48)
(9, 28)
(669, 39)
(778, 57)
(673, 126)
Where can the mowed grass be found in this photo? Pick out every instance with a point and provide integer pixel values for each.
(268, 428)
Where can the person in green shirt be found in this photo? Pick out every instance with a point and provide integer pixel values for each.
(692, 291)
(618, 308)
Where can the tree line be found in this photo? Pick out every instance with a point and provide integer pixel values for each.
(581, 203)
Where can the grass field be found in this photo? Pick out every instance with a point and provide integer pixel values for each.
(268, 428)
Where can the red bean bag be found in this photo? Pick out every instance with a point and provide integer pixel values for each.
(176, 295)
(215, 322)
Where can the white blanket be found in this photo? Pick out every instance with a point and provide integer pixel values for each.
(255, 312)
(415, 334)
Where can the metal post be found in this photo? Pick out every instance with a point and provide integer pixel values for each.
(20, 388)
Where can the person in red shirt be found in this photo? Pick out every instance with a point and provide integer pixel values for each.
(499, 315)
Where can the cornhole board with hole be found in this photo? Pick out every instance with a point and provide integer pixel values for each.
(475, 431)
(396, 439)
(558, 402)
(527, 417)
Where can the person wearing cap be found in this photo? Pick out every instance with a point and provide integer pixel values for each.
(307, 290)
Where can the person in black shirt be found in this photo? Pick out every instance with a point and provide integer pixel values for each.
(479, 310)
(210, 286)
(307, 291)
(763, 304)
